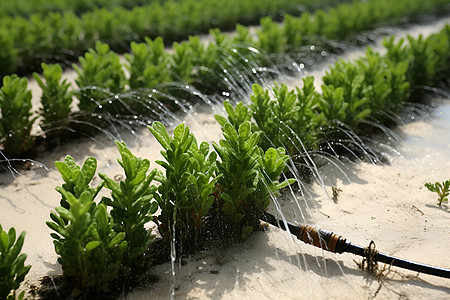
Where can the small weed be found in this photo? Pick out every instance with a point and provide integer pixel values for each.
(442, 189)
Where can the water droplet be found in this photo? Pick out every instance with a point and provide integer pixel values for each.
(312, 48)
(100, 106)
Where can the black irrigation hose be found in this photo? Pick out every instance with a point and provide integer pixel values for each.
(332, 242)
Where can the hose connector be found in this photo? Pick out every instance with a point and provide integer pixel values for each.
(322, 238)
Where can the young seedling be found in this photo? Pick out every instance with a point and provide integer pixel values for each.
(56, 98)
(90, 250)
(249, 177)
(186, 190)
(148, 64)
(17, 118)
(77, 179)
(100, 74)
(442, 189)
(12, 268)
(132, 207)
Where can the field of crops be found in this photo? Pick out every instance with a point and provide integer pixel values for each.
(202, 193)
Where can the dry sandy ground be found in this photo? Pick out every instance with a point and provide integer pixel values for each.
(385, 203)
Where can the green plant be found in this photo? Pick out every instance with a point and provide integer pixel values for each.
(12, 264)
(90, 251)
(132, 207)
(442, 189)
(148, 64)
(249, 177)
(17, 118)
(99, 77)
(185, 193)
(56, 98)
(288, 120)
(423, 61)
(77, 179)
(8, 55)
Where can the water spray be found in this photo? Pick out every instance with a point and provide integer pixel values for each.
(332, 242)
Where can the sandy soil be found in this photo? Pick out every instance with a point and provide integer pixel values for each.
(384, 203)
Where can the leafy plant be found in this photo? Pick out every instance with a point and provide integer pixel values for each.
(182, 62)
(12, 264)
(287, 119)
(132, 207)
(442, 189)
(8, 55)
(17, 118)
(249, 177)
(90, 251)
(185, 193)
(77, 179)
(148, 64)
(99, 77)
(56, 98)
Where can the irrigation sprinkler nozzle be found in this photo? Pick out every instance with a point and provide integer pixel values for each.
(327, 240)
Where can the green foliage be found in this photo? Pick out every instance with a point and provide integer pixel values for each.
(17, 118)
(8, 55)
(287, 120)
(99, 77)
(442, 189)
(27, 7)
(248, 178)
(77, 179)
(332, 105)
(236, 116)
(423, 61)
(56, 97)
(354, 93)
(185, 193)
(90, 251)
(12, 264)
(183, 63)
(59, 31)
(132, 206)
(271, 37)
(148, 64)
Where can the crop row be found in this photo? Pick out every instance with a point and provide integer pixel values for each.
(63, 36)
(220, 193)
(104, 91)
(26, 8)
(200, 198)
(355, 97)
